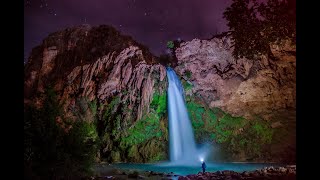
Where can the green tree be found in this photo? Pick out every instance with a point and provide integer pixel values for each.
(55, 148)
(254, 25)
(170, 44)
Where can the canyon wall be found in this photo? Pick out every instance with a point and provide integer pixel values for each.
(101, 76)
(260, 90)
(244, 106)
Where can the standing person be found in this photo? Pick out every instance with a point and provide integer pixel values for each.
(204, 166)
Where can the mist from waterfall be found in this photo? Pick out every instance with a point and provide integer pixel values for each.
(182, 145)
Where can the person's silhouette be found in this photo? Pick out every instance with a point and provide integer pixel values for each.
(204, 166)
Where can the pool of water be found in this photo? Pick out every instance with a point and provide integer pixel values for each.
(186, 170)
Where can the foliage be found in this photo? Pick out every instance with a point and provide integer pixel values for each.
(149, 125)
(170, 45)
(188, 74)
(236, 133)
(159, 103)
(56, 148)
(160, 156)
(143, 130)
(119, 136)
(109, 112)
(81, 144)
(186, 85)
(227, 126)
(173, 44)
(149, 128)
(255, 25)
(93, 106)
(202, 119)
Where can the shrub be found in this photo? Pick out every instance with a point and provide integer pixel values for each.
(56, 148)
(188, 74)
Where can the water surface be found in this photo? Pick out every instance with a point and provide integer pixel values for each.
(187, 170)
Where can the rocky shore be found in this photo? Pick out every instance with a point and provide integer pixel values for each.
(278, 173)
(133, 174)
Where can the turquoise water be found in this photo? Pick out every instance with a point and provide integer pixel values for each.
(186, 170)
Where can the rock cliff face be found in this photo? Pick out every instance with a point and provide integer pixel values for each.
(241, 87)
(98, 75)
(251, 89)
(246, 106)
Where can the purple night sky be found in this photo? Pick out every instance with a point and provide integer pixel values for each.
(150, 22)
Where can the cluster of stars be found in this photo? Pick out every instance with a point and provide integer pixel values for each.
(141, 19)
(43, 5)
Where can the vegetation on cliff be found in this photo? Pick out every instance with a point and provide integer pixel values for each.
(131, 140)
(236, 134)
(60, 148)
(150, 131)
(170, 59)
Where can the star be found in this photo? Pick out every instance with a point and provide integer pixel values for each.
(137, 15)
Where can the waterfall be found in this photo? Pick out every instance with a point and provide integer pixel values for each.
(182, 144)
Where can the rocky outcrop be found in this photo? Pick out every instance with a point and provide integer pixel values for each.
(260, 90)
(242, 87)
(98, 75)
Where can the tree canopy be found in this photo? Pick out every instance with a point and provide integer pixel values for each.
(255, 25)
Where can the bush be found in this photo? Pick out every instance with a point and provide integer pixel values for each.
(56, 148)
(186, 85)
(170, 45)
(159, 103)
(188, 74)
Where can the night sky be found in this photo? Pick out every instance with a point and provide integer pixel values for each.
(150, 22)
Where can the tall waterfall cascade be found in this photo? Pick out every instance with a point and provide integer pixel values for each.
(182, 143)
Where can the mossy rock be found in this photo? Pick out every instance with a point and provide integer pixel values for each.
(238, 136)
(115, 156)
(133, 154)
(153, 150)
